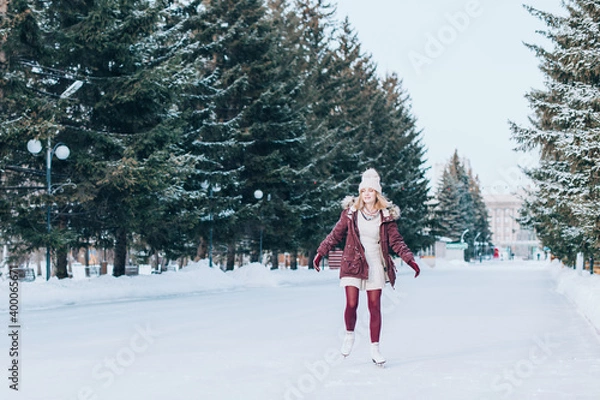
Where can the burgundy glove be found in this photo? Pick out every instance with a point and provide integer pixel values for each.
(317, 262)
(415, 266)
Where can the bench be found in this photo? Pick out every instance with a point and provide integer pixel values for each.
(131, 270)
(335, 259)
(23, 274)
(172, 267)
(92, 270)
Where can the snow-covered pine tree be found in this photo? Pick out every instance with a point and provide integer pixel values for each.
(340, 155)
(353, 74)
(289, 55)
(129, 135)
(481, 225)
(184, 208)
(319, 98)
(551, 216)
(118, 125)
(459, 205)
(255, 106)
(180, 99)
(276, 127)
(356, 121)
(27, 105)
(402, 157)
(449, 214)
(565, 129)
(343, 88)
(207, 124)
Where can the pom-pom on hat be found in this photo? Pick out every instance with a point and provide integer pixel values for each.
(370, 179)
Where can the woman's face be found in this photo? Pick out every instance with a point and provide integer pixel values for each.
(369, 196)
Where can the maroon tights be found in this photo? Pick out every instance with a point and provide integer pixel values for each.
(374, 300)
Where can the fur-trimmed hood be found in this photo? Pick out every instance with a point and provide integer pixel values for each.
(391, 211)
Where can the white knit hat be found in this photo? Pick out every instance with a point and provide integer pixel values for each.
(370, 179)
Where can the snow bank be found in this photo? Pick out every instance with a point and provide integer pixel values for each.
(257, 275)
(443, 263)
(582, 289)
(193, 279)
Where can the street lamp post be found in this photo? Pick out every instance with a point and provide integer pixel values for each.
(62, 152)
(475, 246)
(462, 237)
(462, 240)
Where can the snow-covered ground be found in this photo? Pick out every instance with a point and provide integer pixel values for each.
(497, 330)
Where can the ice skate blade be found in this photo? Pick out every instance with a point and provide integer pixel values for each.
(379, 364)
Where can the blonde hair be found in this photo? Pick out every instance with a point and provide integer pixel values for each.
(381, 202)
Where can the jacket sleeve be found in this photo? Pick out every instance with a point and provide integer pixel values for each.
(337, 234)
(397, 244)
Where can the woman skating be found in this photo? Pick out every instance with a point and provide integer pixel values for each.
(368, 225)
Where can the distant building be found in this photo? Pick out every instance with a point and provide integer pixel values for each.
(507, 235)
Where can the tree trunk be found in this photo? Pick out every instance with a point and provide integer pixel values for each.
(202, 251)
(275, 259)
(61, 263)
(230, 255)
(294, 259)
(254, 256)
(120, 252)
(61, 256)
(311, 257)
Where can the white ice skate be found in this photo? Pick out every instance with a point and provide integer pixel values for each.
(376, 355)
(348, 343)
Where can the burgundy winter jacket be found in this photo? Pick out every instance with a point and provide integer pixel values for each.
(354, 263)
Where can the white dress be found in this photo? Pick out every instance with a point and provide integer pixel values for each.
(369, 238)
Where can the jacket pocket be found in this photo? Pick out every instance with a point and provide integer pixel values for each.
(348, 267)
(352, 263)
(354, 268)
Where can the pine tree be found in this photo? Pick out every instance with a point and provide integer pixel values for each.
(566, 132)
(454, 211)
(481, 216)
(448, 211)
(129, 132)
(34, 106)
(355, 85)
(402, 155)
(358, 121)
(289, 137)
(208, 128)
(460, 212)
(551, 216)
(26, 106)
(338, 145)
(185, 111)
(316, 43)
(253, 110)
(117, 125)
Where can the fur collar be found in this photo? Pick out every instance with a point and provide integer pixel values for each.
(392, 211)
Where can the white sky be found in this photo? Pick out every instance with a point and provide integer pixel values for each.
(474, 81)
